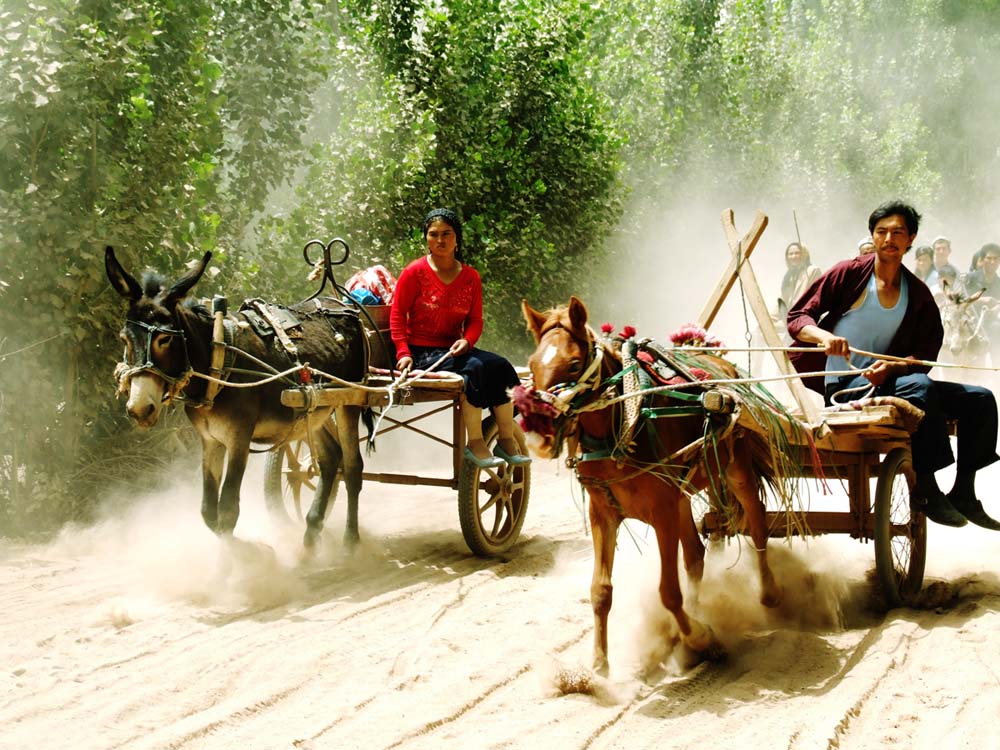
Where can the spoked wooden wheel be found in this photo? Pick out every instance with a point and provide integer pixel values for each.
(288, 474)
(900, 533)
(492, 502)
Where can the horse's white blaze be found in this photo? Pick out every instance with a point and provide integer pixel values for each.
(549, 354)
(145, 397)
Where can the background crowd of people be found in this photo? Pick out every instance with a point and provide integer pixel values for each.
(977, 285)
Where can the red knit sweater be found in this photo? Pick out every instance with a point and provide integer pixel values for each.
(428, 312)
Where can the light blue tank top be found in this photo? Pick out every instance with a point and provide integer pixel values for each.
(869, 326)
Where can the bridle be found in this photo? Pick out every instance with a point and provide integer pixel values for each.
(126, 369)
(562, 395)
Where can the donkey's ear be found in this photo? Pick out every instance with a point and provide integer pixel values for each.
(122, 282)
(577, 313)
(533, 318)
(183, 285)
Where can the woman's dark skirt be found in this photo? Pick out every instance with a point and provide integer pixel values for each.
(487, 375)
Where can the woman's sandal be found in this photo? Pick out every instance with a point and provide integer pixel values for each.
(513, 460)
(491, 462)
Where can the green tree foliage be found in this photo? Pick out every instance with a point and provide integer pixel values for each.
(246, 127)
(482, 106)
(158, 126)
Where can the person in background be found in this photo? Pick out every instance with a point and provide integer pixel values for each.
(437, 312)
(923, 262)
(942, 252)
(987, 280)
(977, 261)
(865, 246)
(799, 274)
(985, 277)
(875, 304)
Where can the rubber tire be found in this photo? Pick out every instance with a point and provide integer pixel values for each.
(899, 559)
(287, 470)
(501, 495)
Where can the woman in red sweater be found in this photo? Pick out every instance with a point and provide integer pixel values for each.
(437, 310)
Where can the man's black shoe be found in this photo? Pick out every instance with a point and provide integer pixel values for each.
(937, 508)
(972, 509)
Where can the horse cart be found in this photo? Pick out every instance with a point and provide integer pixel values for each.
(854, 445)
(492, 502)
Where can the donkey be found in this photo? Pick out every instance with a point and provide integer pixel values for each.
(169, 352)
(648, 482)
(963, 318)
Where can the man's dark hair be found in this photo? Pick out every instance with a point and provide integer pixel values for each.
(892, 208)
(990, 247)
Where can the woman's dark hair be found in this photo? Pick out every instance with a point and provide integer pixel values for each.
(976, 256)
(924, 250)
(892, 208)
(450, 218)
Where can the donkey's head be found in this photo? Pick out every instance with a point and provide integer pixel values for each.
(962, 319)
(155, 366)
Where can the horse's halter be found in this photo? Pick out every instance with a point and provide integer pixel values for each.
(561, 396)
(128, 369)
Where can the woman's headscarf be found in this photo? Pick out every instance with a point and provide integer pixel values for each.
(793, 275)
(450, 218)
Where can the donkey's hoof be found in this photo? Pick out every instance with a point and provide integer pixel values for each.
(311, 538)
(351, 541)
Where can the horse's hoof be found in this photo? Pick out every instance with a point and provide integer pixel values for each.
(772, 599)
(706, 646)
(715, 652)
(601, 666)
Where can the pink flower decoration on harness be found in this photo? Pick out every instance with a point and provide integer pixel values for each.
(692, 335)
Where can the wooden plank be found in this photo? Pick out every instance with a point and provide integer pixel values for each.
(815, 521)
(751, 290)
(409, 479)
(711, 309)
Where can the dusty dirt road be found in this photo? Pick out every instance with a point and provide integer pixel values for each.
(143, 631)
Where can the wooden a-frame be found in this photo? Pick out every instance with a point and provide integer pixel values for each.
(739, 268)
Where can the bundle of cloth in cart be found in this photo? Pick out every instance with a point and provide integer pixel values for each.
(372, 286)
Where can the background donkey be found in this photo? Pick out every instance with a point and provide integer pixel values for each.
(963, 318)
(168, 345)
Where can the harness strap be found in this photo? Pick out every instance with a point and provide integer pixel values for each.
(279, 330)
(221, 337)
(630, 385)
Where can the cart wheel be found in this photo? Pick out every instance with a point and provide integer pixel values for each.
(900, 534)
(492, 502)
(287, 471)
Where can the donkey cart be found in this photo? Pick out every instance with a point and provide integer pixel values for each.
(491, 502)
(852, 445)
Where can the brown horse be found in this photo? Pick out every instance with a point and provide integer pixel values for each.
(571, 367)
(169, 354)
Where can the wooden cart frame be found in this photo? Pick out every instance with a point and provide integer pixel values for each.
(492, 503)
(854, 446)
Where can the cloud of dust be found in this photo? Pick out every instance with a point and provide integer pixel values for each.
(823, 588)
(156, 551)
